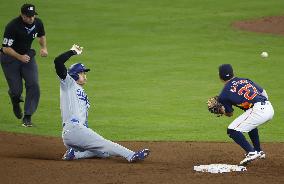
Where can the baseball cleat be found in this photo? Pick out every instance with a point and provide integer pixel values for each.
(250, 156)
(140, 155)
(27, 122)
(262, 154)
(69, 154)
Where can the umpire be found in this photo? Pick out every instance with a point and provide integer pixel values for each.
(18, 61)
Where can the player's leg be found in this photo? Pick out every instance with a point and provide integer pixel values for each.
(73, 154)
(98, 144)
(259, 114)
(11, 69)
(236, 128)
(248, 122)
(254, 137)
(240, 139)
(73, 138)
(262, 112)
(90, 154)
(30, 75)
(88, 143)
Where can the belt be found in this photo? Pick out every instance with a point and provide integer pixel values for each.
(261, 102)
(63, 125)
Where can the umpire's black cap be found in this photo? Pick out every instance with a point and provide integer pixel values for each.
(226, 72)
(28, 10)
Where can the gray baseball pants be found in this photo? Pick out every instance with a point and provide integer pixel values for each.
(87, 143)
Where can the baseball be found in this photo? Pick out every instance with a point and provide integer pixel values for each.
(264, 54)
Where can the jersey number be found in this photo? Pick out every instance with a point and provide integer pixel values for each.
(8, 42)
(246, 91)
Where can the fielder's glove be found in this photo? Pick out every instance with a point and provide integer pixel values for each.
(77, 49)
(215, 107)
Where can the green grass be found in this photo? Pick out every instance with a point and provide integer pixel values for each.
(154, 64)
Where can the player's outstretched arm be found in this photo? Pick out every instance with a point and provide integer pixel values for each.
(62, 58)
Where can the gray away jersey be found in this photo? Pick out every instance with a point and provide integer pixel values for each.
(74, 102)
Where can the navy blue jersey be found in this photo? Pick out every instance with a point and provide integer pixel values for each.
(242, 93)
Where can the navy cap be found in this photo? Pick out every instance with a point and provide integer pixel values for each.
(226, 72)
(28, 10)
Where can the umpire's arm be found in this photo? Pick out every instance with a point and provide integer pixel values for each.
(42, 43)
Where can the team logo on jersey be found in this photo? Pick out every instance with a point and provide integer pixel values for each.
(74, 120)
(29, 30)
(83, 96)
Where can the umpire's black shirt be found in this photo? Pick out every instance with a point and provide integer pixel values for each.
(19, 35)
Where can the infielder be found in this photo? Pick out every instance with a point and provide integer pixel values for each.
(251, 98)
(81, 141)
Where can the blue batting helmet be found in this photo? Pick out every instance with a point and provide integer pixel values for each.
(75, 69)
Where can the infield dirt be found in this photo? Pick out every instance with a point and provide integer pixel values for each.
(272, 25)
(35, 159)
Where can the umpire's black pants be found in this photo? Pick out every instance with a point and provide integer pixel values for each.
(15, 71)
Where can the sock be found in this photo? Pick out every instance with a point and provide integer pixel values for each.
(253, 134)
(240, 139)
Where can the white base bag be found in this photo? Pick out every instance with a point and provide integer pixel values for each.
(219, 168)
